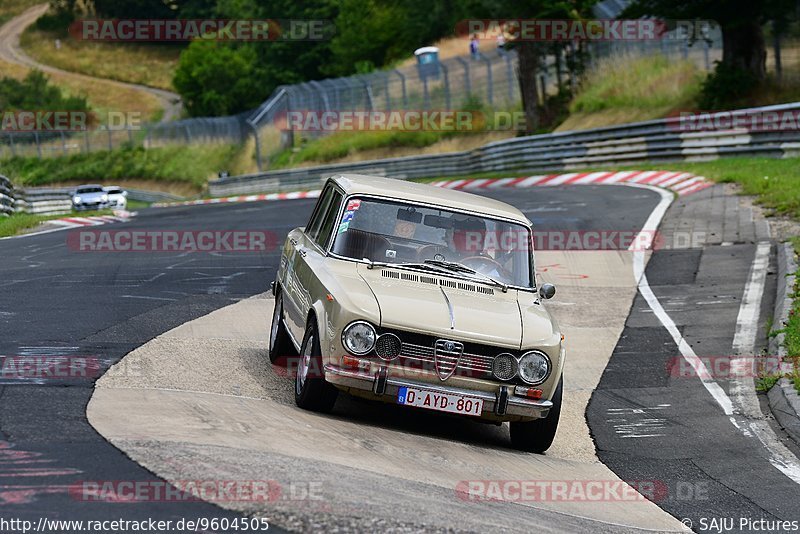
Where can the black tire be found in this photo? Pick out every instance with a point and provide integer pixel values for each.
(537, 436)
(280, 345)
(311, 391)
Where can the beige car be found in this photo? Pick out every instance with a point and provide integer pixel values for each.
(419, 296)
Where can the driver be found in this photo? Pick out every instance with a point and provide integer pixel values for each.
(465, 237)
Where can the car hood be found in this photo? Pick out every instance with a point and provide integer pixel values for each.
(89, 196)
(423, 304)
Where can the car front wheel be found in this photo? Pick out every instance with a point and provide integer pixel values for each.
(311, 391)
(538, 435)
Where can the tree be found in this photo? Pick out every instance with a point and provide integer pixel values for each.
(531, 53)
(215, 79)
(740, 22)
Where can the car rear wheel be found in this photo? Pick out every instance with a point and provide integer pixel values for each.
(311, 391)
(538, 435)
(280, 346)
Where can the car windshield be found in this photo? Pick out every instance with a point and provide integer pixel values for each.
(90, 190)
(401, 233)
(114, 191)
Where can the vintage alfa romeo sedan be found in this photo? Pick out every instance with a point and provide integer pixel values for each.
(419, 296)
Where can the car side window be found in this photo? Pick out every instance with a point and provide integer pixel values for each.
(329, 220)
(312, 228)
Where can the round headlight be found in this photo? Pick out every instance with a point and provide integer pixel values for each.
(504, 366)
(359, 338)
(534, 367)
(388, 347)
(104, 198)
(76, 199)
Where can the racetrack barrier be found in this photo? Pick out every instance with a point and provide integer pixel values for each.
(663, 140)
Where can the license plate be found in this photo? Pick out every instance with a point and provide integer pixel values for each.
(443, 402)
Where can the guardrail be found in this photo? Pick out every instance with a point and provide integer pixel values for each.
(56, 200)
(7, 199)
(661, 140)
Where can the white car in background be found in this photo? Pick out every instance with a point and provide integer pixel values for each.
(117, 197)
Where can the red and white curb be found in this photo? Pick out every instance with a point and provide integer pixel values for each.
(243, 198)
(55, 225)
(682, 183)
(76, 222)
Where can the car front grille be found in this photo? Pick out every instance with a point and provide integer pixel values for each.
(418, 353)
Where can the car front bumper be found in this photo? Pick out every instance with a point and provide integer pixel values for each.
(94, 206)
(501, 405)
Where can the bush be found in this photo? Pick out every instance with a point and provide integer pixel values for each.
(57, 22)
(34, 92)
(726, 87)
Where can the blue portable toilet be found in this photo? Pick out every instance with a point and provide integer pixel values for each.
(427, 61)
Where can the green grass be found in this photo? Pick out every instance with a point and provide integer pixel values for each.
(17, 223)
(640, 83)
(792, 329)
(186, 164)
(627, 89)
(142, 63)
(340, 144)
(133, 205)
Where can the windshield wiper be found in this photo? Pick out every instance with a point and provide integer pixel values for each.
(372, 264)
(461, 268)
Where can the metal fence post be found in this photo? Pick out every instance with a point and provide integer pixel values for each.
(467, 80)
(258, 145)
(368, 91)
(38, 145)
(446, 73)
(403, 81)
(426, 99)
(490, 83)
(387, 92)
(11, 144)
(509, 76)
(110, 145)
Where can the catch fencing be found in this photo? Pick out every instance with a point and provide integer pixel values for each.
(451, 84)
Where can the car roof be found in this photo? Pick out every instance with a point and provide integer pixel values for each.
(354, 184)
(110, 187)
(84, 186)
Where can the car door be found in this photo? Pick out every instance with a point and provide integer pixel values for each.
(297, 295)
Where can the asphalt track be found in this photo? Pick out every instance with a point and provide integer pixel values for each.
(56, 301)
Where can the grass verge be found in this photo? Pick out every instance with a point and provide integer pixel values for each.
(792, 329)
(627, 89)
(19, 222)
(146, 64)
(192, 165)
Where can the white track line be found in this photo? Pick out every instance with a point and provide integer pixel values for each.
(741, 389)
(744, 342)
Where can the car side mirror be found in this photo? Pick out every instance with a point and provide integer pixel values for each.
(547, 291)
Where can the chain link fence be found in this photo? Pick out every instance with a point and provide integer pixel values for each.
(452, 84)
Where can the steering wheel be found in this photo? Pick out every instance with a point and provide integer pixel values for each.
(487, 261)
(427, 252)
